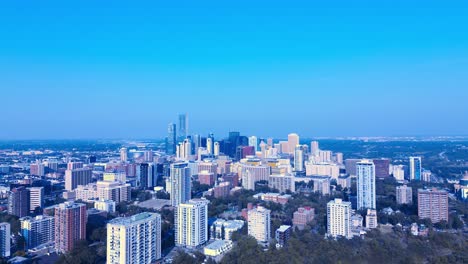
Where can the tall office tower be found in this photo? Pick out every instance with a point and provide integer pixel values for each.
(191, 223)
(216, 149)
(180, 178)
(187, 149)
(36, 198)
(74, 165)
(339, 218)
(38, 230)
(371, 219)
(135, 239)
(142, 173)
(115, 191)
(209, 145)
(382, 168)
(433, 204)
(299, 159)
(365, 184)
(404, 195)
(196, 143)
(70, 225)
(415, 168)
(75, 177)
(123, 155)
(259, 222)
(171, 140)
(148, 154)
(253, 142)
(5, 240)
(18, 202)
(398, 172)
(293, 141)
(183, 126)
(314, 148)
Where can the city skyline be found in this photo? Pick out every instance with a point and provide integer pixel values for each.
(121, 71)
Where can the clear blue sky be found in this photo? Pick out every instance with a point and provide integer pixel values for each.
(108, 69)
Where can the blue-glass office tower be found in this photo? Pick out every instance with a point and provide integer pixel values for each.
(171, 140)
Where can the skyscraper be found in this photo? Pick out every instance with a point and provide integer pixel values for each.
(415, 168)
(171, 140)
(36, 198)
(123, 154)
(180, 179)
(433, 204)
(339, 218)
(299, 158)
(19, 201)
(365, 184)
(5, 240)
(293, 141)
(216, 149)
(135, 239)
(142, 175)
(253, 141)
(259, 223)
(314, 148)
(70, 225)
(38, 230)
(75, 177)
(191, 220)
(209, 145)
(183, 126)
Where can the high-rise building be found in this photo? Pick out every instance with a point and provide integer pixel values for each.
(415, 168)
(314, 148)
(365, 184)
(339, 218)
(216, 149)
(78, 176)
(253, 142)
(404, 195)
(183, 126)
(142, 175)
(36, 198)
(293, 141)
(5, 240)
(209, 146)
(38, 230)
(19, 201)
(282, 182)
(322, 169)
(135, 239)
(149, 155)
(259, 222)
(299, 158)
(73, 165)
(113, 190)
(251, 174)
(398, 172)
(321, 184)
(180, 179)
(70, 225)
(123, 154)
(191, 223)
(371, 219)
(171, 140)
(282, 235)
(433, 205)
(382, 168)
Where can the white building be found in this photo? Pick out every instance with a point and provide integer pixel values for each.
(404, 195)
(339, 218)
(105, 205)
(191, 223)
(5, 240)
(113, 190)
(299, 158)
(180, 179)
(293, 141)
(398, 172)
(371, 219)
(36, 198)
(259, 223)
(135, 239)
(322, 169)
(282, 182)
(217, 248)
(223, 229)
(250, 174)
(365, 170)
(415, 168)
(253, 142)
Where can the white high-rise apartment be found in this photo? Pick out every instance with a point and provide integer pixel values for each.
(36, 198)
(250, 174)
(339, 218)
(259, 223)
(38, 230)
(293, 141)
(216, 149)
(209, 145)
(5, 240)
(299, 158)
(398, 172)
(314, 148)
(404, 195)
(191, 223)
(180, 183)
(253, 141)
(135, 239)
(365, 170)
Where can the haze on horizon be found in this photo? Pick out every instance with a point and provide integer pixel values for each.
(369, 68)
